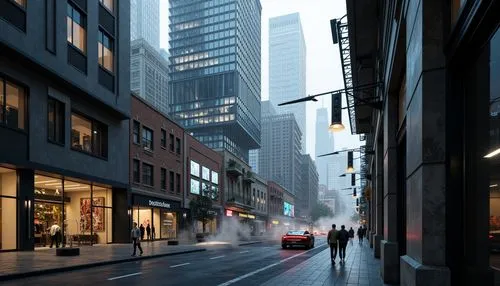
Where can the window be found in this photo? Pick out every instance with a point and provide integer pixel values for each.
(136, 173)
(147, 138)
(171, 182)
(195, 187)
(21, 3)
(195, 169)
(55, 118)
(172, 142)
(136, 131)
(178, 145)
(215, 178)
(89, 135)
(205, 173)
(108, 4)
(147, 174)
(12, 104)
(163, 138)
(163, 179)
(105, 51)
(178, 183)
(76, 24)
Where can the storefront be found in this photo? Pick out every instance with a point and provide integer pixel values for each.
(83, 210)
(160, 216)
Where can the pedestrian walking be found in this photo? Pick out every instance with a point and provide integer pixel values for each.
(332, 241)
(343, 236)
(153, 232)
(55, 232)
(136, 234)
(148, 231)
(360, 235)
(351, 235)
(142, 229)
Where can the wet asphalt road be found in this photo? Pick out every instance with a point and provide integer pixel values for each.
(244, 265)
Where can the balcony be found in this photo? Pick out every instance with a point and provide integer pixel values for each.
(234, 168)
(240, 203)
(249, 177)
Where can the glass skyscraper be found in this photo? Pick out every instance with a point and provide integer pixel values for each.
(215, 71)
(145, 21)
(287, 67)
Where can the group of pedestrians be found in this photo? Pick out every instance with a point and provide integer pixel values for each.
(137, 235)
(340, 238)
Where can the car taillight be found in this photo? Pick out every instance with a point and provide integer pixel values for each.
(490, 236)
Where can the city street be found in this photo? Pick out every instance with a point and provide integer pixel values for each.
(245, 265)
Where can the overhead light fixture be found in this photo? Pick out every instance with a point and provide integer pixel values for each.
(493, 154)
(353, 179)
(333, 26)
(357, 202)
(350, 167)
(336, 124)
(354, 193)
(47, 181)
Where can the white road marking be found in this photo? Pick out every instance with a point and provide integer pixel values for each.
(246, 251)
(237, 279)
(179, 265)
(217, 257)
(124, 276)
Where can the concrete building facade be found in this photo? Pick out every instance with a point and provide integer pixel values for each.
(433, 171)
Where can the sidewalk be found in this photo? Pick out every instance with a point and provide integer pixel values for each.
(44, 261)
(361, 268)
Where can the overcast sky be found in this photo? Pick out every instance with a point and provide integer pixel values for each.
(324, 72)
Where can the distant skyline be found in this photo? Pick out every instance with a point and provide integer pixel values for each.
(324, 71)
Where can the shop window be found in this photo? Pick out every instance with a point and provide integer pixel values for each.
(163, 179)
(168, 225)
(48, 210)
(76, 28)
(147, 138)
(178, 145)
(12, 104)
(89, 135)
(163, 138)
(147, 174)
(178, 183)
(136, 172)
(56, 122)
(172, 142)
(171, 182)
(8, 209)
(105, 51)
(136, 131)
(108, 4)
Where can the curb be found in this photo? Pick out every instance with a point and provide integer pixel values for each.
(91, 265)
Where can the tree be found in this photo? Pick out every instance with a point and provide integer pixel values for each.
(201, 207)
(320, 210)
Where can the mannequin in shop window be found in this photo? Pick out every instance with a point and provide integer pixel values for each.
(148, 231)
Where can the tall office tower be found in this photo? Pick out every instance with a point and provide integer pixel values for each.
(149, 74)
(145, 21)
(307, 195)
(266, 110)
(336, 168)
(324, 144)
(279, 157)
(287, 67)
(215, 72)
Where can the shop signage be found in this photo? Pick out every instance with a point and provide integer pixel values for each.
(276, 222)
(243, 215)
(247, 215)
(229, 213)
(156, 202)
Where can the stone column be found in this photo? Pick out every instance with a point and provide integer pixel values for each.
(425, 262)
(389, 247)
(379, 195)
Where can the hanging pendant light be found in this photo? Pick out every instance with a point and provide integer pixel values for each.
(336, 123)
(350, 167)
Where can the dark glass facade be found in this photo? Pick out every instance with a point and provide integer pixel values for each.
(215, 71)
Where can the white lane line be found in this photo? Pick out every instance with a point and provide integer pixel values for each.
(217, 257)
(237, 279)
(179, 265)
(246, 251)
(124, 276)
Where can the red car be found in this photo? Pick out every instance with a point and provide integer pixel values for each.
(297, 237)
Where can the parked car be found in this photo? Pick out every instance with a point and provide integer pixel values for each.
(297, 237)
